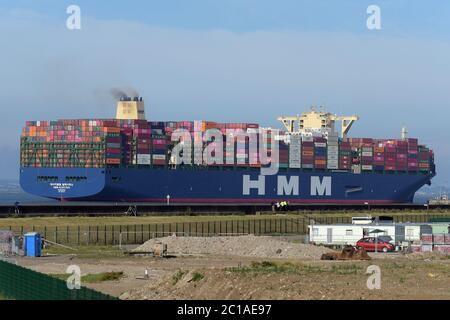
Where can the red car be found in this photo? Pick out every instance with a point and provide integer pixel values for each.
(374, 244)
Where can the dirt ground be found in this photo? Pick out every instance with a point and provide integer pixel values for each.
(228, 276)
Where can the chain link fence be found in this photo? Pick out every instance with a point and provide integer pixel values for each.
(20, 283)
(139, 233)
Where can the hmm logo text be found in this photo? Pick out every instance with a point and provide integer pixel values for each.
(287, 186)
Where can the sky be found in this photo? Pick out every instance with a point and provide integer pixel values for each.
(230, 60)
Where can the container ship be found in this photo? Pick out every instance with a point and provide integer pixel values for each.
(130, 159)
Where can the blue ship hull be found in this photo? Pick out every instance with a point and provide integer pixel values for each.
(214, 185)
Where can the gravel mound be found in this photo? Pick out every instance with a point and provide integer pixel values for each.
(248, 245)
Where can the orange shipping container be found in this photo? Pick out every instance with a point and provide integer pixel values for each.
(111, 130)
(112, 161)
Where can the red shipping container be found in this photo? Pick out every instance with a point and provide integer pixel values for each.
(444, 248)
(427, 238)
(447, 238)
(439, 238)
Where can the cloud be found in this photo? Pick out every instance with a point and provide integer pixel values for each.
(50, 72)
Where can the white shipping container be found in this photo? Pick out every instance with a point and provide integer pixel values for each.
(320, 144)
(159, 157)
(332, 156)
(295, 165)
(367, 154)
(332, 166)
(143, 159)
(333, 148)
(366, 167)
(143, 156)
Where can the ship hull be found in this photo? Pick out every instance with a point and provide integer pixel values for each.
(219, 185)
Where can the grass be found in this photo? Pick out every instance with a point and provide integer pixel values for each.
(177, 276)
(93, 277)
(124, 220)
(95, 252)
(292, 268)
(51, 222)
(346, 269)
(197, 276)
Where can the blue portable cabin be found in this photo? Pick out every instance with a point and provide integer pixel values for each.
(32, 244)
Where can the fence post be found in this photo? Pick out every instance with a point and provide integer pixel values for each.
(56, 234)
(67, 234)
(78, 235)
(104, 240)
(96, 236)
(113, 237)
(45, 232)
(89, 235)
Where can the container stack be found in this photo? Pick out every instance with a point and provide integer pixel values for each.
(113, 146)
(424, 158)
(99, 143)
(333, 152)
(320, 153)
(295, 152)
(141, 136)
(159, 145)
(283, 155)
(307, 152)
(390, 150)
(402, 155)
(64, 143)
(413, 162)
(366, 156)
(345, 156)
(378, 158)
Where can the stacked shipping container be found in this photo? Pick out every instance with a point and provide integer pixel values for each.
(96, 143)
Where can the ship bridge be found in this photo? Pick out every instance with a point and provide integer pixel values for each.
(314, 120)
